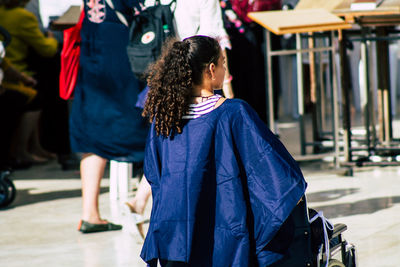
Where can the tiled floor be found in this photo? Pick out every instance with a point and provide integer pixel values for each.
(39, 229)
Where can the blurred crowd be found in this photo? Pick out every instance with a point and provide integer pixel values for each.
(35, 121)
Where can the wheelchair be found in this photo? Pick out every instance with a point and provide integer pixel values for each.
(314, 247)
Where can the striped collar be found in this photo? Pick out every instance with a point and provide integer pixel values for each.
(197, 110)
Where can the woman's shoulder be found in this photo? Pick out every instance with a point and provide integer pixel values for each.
(15, 13)
(238, 110)
(22, 17)
(22, 12)
(236, 106)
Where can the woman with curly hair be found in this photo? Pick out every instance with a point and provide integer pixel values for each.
(222, 183)
(191, 17)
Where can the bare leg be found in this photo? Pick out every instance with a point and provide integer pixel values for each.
(138, 203)
(92, 170)
(26, 127)
(36, 147)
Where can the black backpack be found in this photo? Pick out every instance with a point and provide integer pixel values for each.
(147, 33)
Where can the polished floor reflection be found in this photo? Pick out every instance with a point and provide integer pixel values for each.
(39, 229)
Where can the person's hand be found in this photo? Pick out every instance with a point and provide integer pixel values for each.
(50, 34)
(28, 80)
(227, 89)
(2, 90)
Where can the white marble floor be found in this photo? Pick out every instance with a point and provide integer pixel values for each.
(39, 229)
(368, 203)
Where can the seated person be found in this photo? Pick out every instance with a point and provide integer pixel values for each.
(16, 95)
(222, 183)
(25, 33)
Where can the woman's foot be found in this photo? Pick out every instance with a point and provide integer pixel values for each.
(40, 152)
(30, 158)
(38, 159)
(135, 219)
(136, 206)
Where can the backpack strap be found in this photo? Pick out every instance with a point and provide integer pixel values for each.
(173, 2)
(326, 225)
(157, 2)
(119, 14)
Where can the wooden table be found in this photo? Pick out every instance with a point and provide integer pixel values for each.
(380, 20)
(296, 22)
(388, 7)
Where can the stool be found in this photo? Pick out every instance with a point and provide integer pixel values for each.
(120, 176)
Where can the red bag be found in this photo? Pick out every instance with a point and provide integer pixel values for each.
(242, 7)
(70, 59)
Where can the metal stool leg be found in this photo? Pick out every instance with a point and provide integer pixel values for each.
(120, 174)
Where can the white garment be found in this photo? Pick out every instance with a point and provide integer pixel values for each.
(2, 51)
(49, 8)
(198, 17)
(2, 55)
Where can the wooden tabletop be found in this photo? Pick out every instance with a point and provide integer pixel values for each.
(298, 21)
(388, 7)
(326, 4)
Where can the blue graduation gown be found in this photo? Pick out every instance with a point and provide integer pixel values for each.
(221, 190)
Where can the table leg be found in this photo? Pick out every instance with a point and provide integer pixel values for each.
(335, 111)
(384, 104)
(300, 94)
(270, 90)
(345, 97)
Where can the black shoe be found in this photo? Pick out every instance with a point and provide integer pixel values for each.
(86, 227)
(68, 162)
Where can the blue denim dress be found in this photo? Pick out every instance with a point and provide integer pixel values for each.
(104, 119)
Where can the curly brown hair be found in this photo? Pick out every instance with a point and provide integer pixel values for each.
(172, 77)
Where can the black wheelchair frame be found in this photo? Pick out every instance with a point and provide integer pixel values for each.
(7, 189)
(300, 252)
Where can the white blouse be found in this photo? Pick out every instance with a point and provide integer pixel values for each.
(198, 17)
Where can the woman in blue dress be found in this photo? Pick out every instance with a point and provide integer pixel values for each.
(222, 183)
(104, 123)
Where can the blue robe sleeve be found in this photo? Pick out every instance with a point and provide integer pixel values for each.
(273, 179)
(152, 158)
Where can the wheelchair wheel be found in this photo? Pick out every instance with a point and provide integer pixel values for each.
(12, 192)
(3, 194)
(335, 263)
